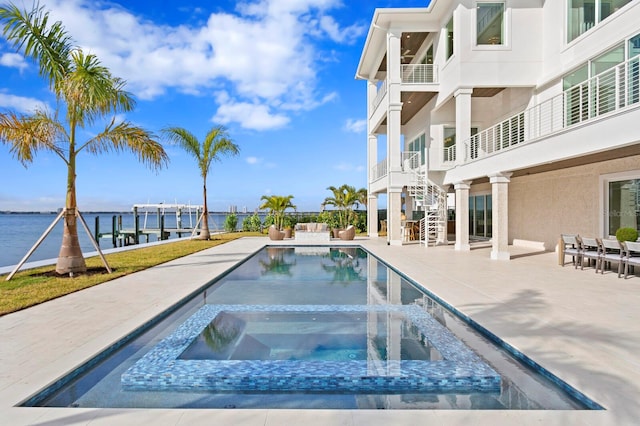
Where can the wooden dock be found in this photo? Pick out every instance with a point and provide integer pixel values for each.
(120, 236)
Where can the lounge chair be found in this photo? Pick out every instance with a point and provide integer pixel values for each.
(275, 234)
(347, 234)
(631, 256)
(612, 251)
(591, 250)
(572, 248)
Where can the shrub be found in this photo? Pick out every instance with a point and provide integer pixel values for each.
(269, 220)
(251, 223)
(231, 222)
(627, 234)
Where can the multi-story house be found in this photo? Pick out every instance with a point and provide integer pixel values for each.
(527, 110)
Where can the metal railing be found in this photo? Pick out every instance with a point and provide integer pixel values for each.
(411, 160)
(419, 73)
(382, 90)
(411, 74)
(609, 91)
(379, 170)
(449, 154)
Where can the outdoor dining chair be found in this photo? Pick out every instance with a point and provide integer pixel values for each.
(591, 250)
(631, 256)
(612, 252)
(572, 248)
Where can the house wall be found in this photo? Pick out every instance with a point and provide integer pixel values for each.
(545, 205)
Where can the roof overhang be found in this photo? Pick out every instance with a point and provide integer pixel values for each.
(424, 19)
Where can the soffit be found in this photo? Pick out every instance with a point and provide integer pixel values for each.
(425, 20)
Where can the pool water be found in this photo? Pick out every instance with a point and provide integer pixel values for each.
(311, 327)
(308, 336)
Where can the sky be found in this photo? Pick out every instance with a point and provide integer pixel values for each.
(278, 74)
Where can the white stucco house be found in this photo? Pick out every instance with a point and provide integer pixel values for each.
(527, 110)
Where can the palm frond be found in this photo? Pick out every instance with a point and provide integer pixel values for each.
(125, 136)
(31, 133)
(184, 139)
(47, 45)
(90, 90)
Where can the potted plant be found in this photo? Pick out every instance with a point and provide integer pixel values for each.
(344, 198)
(277, 204)
(287, 223)
(627, 234)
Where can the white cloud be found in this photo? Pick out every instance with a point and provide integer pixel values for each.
(253, 116)
(265, 53)
(20, 104)
(340, 35)
(13, 60)
(253, 160)
(355, 126)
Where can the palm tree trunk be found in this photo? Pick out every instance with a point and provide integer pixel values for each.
(70, 259)
(204, 230)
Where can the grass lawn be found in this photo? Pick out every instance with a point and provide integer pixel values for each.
(34, 286)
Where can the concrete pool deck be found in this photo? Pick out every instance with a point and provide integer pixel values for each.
(583, 327)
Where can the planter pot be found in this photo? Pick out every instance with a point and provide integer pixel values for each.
(287, 232)
(336, 232)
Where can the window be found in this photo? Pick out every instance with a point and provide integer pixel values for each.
(633, 78)
(490, 23)
(623, 205)
(599, 96)
(449, 41)
(609, 7)
(418, 145)
(480, 216)
(428, 60)
(585, 14)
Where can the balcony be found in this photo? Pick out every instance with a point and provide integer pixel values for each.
(411, 74)
(610, 91)
(409, 161)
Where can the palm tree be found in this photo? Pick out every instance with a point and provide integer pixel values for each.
(344, 198)
(216, 143)
(277, 204)
(85, 91)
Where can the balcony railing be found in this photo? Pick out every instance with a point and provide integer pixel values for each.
(419, 73)
(449, 154)
(609, 91)
(411, 74)
(410, 160)
(379, 170)
(382, 90)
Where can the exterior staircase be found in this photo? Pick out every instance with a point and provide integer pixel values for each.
(430, 198)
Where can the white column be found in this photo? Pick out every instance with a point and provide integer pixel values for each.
(462, 215)
(408, 205)
(500, 215)
(372, 202)
(372, 215)
(463, 122)
(394, 130)
(394, 209)
(443, 238)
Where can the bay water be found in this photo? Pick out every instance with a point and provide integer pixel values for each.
(20, 231)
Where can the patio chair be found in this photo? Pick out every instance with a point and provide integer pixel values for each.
(275, 234)
(591, 250)
(612, 252)
(572, 248)
(631, 256)
(347, 234)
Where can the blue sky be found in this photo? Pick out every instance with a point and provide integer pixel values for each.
(279, 74)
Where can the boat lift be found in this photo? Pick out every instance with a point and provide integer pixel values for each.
(125, 236)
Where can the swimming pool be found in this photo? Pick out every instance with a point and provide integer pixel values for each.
(310, 327)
